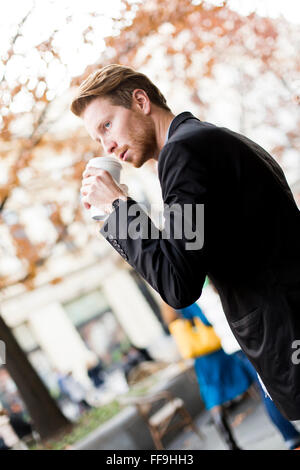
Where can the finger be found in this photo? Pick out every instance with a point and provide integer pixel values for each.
(86, 187)
(85, 203)
(90, 171)
(89, 180)
(84, 191)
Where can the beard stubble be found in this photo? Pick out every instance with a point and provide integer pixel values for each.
(143, 139)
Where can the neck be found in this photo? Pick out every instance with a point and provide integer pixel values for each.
(162, 120)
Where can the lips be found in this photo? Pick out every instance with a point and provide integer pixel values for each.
(123, 155)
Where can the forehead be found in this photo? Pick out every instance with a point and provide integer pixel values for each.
(97, 110)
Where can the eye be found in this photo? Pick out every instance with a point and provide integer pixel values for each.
(106, 125)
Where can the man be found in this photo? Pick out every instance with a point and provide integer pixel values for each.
(251, 248)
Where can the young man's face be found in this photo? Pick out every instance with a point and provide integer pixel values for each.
(128, 133)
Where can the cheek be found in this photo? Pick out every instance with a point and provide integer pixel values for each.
(131, 135)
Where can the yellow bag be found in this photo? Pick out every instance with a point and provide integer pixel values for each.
(194, 341)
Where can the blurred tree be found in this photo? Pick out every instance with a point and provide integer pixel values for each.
(47, 418)
(185, 45)
(190, 49)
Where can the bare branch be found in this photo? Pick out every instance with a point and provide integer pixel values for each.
(21, 24)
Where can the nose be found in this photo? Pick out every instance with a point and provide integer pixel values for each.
(110, 146)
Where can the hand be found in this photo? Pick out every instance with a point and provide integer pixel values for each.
(99, 189)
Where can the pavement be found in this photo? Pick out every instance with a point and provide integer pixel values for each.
(251, 426)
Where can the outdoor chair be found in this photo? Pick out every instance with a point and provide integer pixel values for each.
(144, 370)
(163, 413)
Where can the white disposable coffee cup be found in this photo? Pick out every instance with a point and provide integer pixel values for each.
(111, 165)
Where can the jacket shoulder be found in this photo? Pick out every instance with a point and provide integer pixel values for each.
(191, 143)
(193, 129)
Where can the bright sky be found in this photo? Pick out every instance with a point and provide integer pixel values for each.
(50, 15)
(290, 9)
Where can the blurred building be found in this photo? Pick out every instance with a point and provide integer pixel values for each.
(97, 311)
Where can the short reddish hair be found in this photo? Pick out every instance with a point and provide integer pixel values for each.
(117, 83)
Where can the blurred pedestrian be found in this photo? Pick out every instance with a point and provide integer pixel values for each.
(133, 358)
(221, 377)
(95, 371)
(289, 432)
(3, 445)
(69, 386)
(210, 301)
(19, 422)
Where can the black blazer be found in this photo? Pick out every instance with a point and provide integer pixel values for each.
(251, 248)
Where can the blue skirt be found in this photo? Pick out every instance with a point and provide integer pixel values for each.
(221, 378)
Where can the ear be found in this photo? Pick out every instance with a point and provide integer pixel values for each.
(141, 101)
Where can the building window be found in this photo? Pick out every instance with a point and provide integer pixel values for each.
(98, 326)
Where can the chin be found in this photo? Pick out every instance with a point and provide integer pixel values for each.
(138, 164)
(140, 161)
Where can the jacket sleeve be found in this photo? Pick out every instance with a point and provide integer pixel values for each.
(172, 260)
